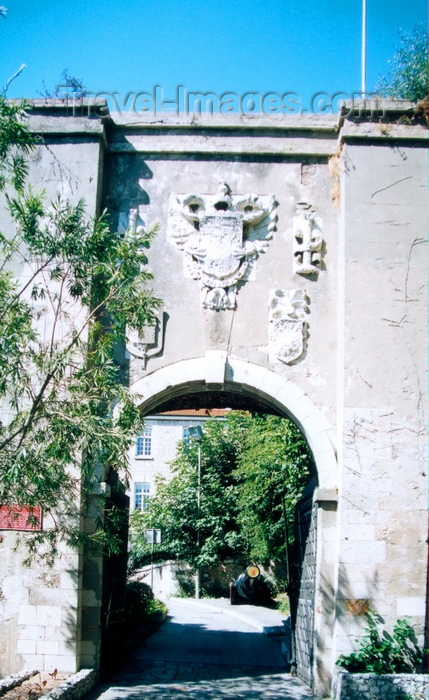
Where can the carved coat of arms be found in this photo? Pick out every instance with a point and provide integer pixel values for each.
(287, 324)
(221, 236)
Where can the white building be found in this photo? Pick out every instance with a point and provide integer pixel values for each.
(155, 448)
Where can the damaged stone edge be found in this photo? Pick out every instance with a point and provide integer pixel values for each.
(75, 687)
(15, 679)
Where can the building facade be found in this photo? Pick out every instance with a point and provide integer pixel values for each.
(156, 447)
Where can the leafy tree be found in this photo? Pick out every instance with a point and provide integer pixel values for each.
(409, 76)
(61, 318)
(199, 536)
(274, 465)
(250, 465)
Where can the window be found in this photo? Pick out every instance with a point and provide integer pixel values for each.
(141, 496)
(186, 438)
(144, 443)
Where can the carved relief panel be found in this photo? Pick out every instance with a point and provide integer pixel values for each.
(148, 342)
(307, 240)
(221, 236)
(287, 334)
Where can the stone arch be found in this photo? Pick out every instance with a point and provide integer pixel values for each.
(216, 371)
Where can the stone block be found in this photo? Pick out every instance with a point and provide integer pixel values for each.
(88, 649)
(357, 533)
(47, 647)
(26, 646)
(215, 367)
(89, 598)
(363, 552)
(53, 597)
(69, 580)
(67, 648)
(31, 632)
(194, 369)
(66, 664)
(27, 615)
(176, 374)
(33, 579)
(32, 661)
(48, 615)
(413, 606)
(58, 634)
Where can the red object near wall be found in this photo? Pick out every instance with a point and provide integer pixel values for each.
(17, 518)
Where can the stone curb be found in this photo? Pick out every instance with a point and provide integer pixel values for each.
(75, 687)
(15, 679)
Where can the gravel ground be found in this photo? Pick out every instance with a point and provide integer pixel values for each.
(36, 686)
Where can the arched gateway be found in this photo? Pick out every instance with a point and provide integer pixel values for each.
(219, 374)
(216, 371)
(291, 260)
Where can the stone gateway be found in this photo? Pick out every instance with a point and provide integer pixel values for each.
(292, 263)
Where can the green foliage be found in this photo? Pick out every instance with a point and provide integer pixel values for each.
(381, 652)
(409, 75)
(16, 143)
(249, 464)
(283, 604)
(274, 465)
(61, 318)
(174, 509)
(69, 86)
(140, 605)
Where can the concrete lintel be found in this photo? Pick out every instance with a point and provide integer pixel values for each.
(322, 495)
(64, 125)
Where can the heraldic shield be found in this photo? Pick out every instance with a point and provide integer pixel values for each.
(221, 236)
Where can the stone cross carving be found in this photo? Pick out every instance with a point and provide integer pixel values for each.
(148, 342)
(308, 242)
(221, 235)
(287, 333)
(130, 221)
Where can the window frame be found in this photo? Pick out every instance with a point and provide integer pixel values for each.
(145, 439)
(141, 495)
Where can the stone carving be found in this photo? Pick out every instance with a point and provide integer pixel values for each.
(308, 241)
(148, 342)
(130, 221)
(221, 235)
(287, 324)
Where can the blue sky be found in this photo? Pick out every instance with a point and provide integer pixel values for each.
(237, 46)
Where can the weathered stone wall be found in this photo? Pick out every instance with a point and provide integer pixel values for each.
(41, 607)
(382, 410)
(38, 611)
(372, 686)
(361, 367)
(341, 348)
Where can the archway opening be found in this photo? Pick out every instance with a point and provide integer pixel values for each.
(201, 396)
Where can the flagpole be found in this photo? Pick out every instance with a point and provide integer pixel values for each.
(363, 75)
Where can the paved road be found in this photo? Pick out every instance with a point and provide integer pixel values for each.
(204, 654)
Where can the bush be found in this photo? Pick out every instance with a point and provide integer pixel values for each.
(141, 605)
(381, 652)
